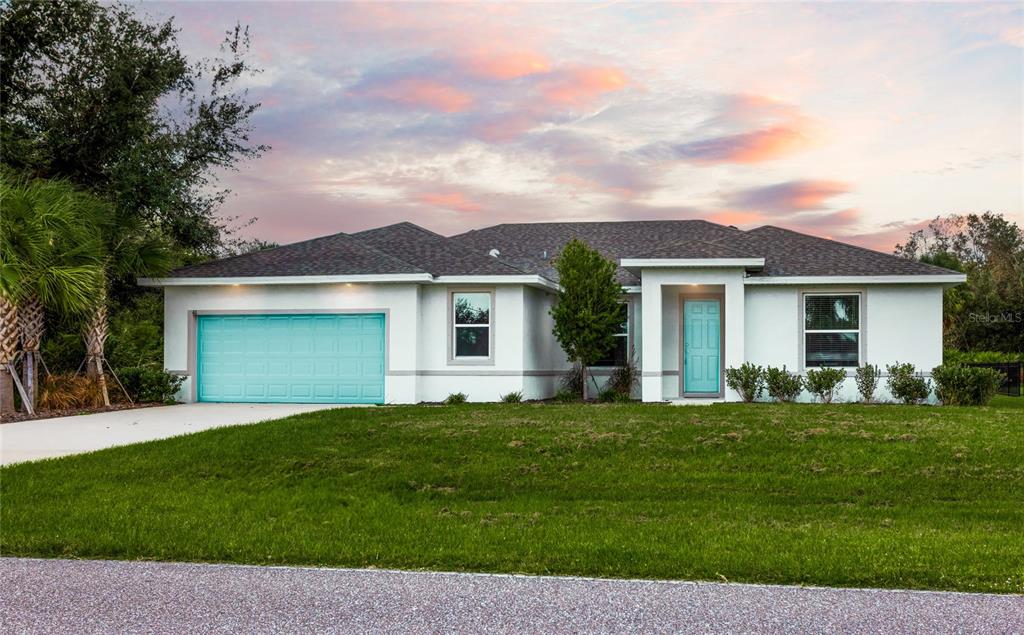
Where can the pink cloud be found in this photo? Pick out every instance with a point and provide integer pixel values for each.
(421, 93)
(791, 196)
(758, 146)
(580, 86)
(736, 217)
(507, 127)
(455, 201)
(886, 238)
(503, 65)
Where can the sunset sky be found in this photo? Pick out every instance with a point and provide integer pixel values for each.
(852, 121)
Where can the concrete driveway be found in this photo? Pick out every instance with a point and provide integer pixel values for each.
(61, 436)
(64, 596)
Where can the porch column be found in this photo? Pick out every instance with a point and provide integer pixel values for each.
(650, 364)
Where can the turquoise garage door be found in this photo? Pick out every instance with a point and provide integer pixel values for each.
(319, 358)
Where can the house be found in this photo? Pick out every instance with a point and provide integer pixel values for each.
(400, 314)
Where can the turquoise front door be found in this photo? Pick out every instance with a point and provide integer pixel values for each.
(316, 358)
(702, 350)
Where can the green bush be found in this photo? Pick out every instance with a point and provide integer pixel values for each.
(148, 385)
(953, 356)
(867, 381)
(572, 380)
(455, 399)
(747, 380)
(783, 385)
(567, 396)
(957, 385)
(63, 351)
(907, 385)
(624, 378)
(513, 397)
(823, 382)
(136, 333)
(611, 395)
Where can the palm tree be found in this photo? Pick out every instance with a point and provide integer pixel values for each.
(130, 249)
(49, 260)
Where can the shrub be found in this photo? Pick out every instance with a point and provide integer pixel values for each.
(573, 379)
(783, 385)
(747, 380)
(566, 396)
(953, 356)
(823, 382)
(149, 385)
(69, 391)
(512, 397)
(907, 385)
(609, 395)
(624, 378)
(455, 399)
(867, 381)
(957, 385)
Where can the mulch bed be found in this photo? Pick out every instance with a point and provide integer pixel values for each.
(50, 414)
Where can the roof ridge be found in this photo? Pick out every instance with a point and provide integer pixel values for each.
(349, 237)
(254, 253)
(857, 247)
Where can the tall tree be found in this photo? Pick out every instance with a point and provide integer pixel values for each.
(986, 313)
(587, 314)
(94, 93)
(49, 260)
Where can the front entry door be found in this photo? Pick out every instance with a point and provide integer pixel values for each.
(702, 350)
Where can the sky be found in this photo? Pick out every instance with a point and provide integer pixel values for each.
(852, 121)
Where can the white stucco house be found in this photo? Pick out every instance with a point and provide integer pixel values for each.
(400, 314)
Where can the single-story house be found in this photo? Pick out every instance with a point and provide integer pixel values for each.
(400, 314)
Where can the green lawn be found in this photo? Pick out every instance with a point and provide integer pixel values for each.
(847, 495)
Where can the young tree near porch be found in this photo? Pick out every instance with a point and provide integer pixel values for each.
(587, 313)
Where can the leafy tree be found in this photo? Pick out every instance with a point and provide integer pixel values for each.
(49, 260)
(987, 312)
(93, 93)
(587, 313)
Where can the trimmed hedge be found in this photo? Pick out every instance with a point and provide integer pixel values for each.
(823, 382)
(957, 385)
(747, 380)
(149, 385)
(783, 385)
(906, 384)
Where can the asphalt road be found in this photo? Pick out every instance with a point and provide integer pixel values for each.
(65, 596)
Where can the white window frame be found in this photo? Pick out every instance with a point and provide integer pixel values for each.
(859, 330)
(470, 360)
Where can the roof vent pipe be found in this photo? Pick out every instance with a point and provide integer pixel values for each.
(494, 253)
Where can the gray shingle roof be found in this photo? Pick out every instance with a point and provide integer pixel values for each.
(433, 252)
(790, 253)
(531, 248)
(700, 249)
(335, 255)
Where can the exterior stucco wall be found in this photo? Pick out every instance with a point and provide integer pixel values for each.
(762, 325)
(399, 301)
(662, 292)
(901, 323)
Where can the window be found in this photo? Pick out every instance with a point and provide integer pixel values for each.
(471, 324)
(618, 355)
(831, 330)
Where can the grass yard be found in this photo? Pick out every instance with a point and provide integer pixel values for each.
(845, 495)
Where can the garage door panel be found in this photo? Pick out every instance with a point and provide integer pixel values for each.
(300, 358)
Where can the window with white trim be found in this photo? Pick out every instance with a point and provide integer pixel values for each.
(471, 325)
(618, 355)
(832, 330)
